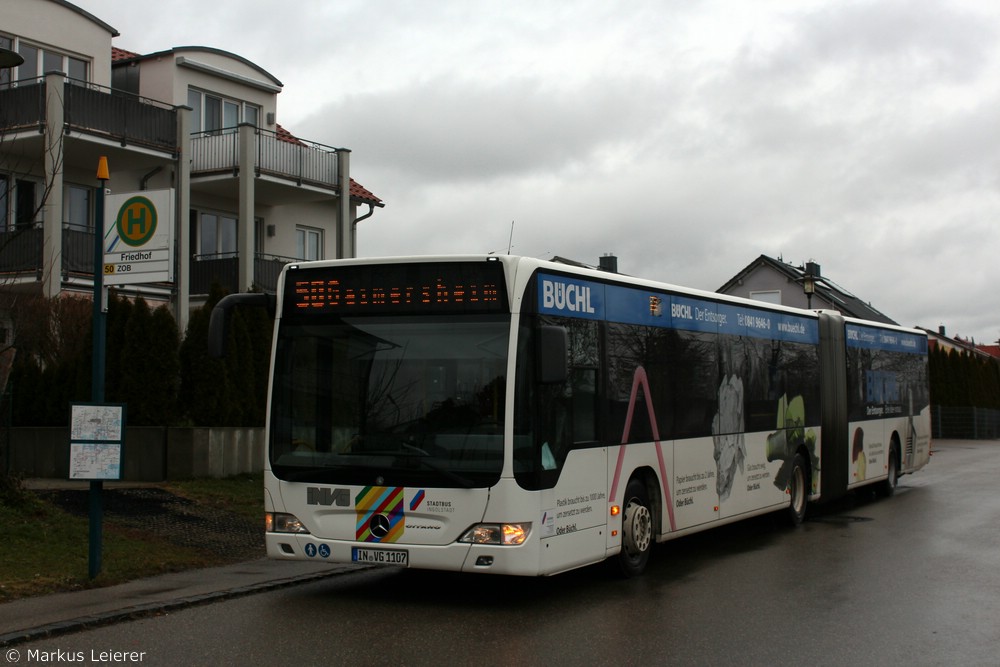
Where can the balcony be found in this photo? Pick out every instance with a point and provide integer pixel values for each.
(21, 255)
(223, 269)
(275, 154)
(95, 110)
(21, 251)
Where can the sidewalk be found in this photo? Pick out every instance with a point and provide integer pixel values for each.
(39, 617)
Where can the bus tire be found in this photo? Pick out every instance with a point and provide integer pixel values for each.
(637, 529)
(798, 483)
(887, 487)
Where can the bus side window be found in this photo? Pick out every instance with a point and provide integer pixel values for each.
(551, 355)
(584, 405)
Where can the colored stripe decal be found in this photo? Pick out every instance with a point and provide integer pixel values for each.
(417, 499)
(637, 379)
(380, 500)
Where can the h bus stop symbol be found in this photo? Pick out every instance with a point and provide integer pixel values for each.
(136, 221)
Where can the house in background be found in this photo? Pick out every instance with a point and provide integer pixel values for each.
(198, 122)
(774, 281)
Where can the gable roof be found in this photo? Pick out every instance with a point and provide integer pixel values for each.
(826, 290)
(87, 15)
(358, 192)
(123, 55)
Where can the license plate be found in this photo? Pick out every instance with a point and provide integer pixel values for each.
(380, 556)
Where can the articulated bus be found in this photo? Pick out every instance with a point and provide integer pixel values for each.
(510, 415)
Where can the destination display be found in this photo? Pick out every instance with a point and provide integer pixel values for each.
(464, 287)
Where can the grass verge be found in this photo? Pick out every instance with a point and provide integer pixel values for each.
(46, 549)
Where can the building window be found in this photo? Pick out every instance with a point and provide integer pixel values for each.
(29, 68)
(4, 202)
(76, 208)
(26, 203)
(5, 43)
(251, 114)
(194, 101)
(20, 203)
(213, 113)
(38, 61)
(308, 243)
(217, 235)
(767, 296)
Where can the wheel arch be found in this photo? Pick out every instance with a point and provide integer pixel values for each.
(895, 450)
(654, 492)
(803, 451)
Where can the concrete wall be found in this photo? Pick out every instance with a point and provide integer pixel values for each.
(149, 454)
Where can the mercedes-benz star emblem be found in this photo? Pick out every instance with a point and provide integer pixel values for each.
(379, 526)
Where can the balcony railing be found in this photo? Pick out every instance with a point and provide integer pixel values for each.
(93, 109)
(21, 250)
(21, 253)
(120, 115)
(275, 155)
(207, 270)
(22, 107)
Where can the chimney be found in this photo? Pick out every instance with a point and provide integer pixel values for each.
(941, 330)
(608, 263)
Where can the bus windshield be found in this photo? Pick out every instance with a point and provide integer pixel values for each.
(397, 401)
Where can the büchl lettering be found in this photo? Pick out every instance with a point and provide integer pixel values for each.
(567, 296)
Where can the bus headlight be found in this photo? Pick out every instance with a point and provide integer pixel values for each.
(278, 522)
(507, 534)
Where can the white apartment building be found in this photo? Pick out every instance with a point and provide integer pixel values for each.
(197, 122)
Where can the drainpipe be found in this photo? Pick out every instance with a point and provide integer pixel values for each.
(144, 181)
(354, 229)
(344, 229)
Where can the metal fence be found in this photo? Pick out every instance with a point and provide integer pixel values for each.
(87, 107)
(123, 116)
(966, 423)
(22, 107)
(21, 250)
(224, 270)
(299, 161)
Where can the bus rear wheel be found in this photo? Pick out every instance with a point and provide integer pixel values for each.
(797, 484)
(637, 530)
(887, 487)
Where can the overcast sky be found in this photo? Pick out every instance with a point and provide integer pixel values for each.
(685, 137)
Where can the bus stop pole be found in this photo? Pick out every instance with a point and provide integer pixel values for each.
(96, 510)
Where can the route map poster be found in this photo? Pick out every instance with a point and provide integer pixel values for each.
(96, 435)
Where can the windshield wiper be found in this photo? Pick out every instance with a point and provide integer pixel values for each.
(421, 458)
(315, 473)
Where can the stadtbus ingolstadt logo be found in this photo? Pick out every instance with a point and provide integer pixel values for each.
(136, 221)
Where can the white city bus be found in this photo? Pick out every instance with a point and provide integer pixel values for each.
(510, 415)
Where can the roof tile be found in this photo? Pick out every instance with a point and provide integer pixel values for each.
(121, 54)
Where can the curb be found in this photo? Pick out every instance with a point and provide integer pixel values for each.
(153, 608)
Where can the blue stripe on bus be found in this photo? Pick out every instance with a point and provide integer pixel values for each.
(869, 338)
(571, 297)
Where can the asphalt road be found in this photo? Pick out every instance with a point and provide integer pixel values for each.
(914, 579)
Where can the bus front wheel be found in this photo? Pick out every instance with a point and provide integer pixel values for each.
(637, 530)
